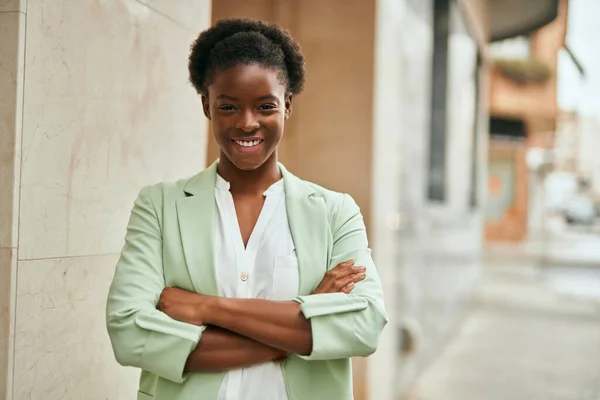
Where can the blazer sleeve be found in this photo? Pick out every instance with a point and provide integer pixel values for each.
(142, 336)
(344, 325)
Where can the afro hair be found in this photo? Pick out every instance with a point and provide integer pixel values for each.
(232, 42)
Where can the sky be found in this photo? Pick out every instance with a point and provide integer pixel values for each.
(583, 37)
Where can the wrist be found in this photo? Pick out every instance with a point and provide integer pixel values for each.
(207, 309)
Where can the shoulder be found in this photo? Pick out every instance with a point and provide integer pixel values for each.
(332, 198)
(341, 207)
(162, 193)
(337, 203)
(169, 187)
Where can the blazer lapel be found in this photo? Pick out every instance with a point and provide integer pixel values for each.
(196, 215)
(307, 216)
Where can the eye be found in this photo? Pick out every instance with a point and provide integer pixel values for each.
(227, 107)
(268, 106)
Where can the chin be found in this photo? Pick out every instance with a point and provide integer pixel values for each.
(247, 165)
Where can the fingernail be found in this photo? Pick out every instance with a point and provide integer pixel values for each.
(351, 285)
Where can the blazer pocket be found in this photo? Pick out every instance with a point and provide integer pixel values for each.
(286, 280)
(144, 396)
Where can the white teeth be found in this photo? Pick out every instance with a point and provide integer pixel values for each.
(247, 143)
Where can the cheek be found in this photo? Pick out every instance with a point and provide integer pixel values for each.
(274, 123)
(219, 127)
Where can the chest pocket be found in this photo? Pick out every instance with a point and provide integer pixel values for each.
(285, 278)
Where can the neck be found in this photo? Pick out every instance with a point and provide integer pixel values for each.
(249, 182)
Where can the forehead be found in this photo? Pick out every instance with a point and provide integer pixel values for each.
(244, 81)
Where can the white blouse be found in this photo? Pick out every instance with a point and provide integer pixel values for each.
(267, 268)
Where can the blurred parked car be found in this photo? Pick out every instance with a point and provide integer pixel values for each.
(581, 210)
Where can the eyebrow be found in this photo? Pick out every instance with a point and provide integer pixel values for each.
(227, 97)
(269, 97)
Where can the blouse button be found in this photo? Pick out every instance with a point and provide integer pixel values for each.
(244, 277)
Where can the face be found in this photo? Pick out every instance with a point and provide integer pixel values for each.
(247, 106)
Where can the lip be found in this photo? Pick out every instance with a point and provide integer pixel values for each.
(245, 149)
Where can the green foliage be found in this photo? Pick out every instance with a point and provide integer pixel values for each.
(523, 71)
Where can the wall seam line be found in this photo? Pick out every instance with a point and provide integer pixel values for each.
(14, 288)
(68, 257)
(12, 12)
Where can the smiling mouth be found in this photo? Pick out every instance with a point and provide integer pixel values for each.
(248, 143)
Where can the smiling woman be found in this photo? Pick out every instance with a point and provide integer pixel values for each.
(244, 281)
(248, 113)
(247, 73)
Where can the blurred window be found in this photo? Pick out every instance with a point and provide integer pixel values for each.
(507, 129)
(436, 185)
(475, 143)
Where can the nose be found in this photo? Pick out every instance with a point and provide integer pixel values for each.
(247, 122)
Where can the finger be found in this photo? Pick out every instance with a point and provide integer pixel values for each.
(359, 277)
(353, 271)
(354, 278)
(345, 264)
(344, 270)
(342, 283)
(348, 288)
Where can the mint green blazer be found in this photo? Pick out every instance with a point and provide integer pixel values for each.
(169, 243)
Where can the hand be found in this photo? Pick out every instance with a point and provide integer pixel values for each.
(341, 278)
(183, 306)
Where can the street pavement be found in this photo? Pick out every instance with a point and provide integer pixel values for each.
(534, 333)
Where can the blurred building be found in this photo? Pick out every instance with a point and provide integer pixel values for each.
(523, 121)
(97, 105)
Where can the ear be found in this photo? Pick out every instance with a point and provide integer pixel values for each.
(288, 105)
(206, 106)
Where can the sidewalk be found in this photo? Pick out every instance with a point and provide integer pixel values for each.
(535, 334)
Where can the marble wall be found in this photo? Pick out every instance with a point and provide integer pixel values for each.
(98, 106)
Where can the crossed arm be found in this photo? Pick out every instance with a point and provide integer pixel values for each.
(328, 324)
(245, 332)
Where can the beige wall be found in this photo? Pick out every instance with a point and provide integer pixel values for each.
(331, 120)
(101, 108)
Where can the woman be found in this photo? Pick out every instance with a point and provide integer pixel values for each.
(245, 282)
